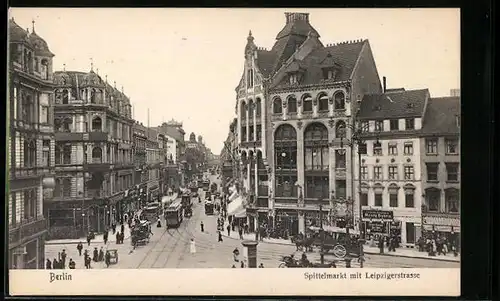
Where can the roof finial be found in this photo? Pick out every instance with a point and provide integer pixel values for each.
(28, 30)
(250, 37)
(64, 67)
(91, 64)
(106, 78)
(97, 71)
(33, 25)
(122, 90)
(114, 82)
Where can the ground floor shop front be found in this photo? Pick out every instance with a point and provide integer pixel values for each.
(402, 225)
(73, 219)
(30, 254)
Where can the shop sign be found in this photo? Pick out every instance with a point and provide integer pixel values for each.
(376, 227)
(378, 215)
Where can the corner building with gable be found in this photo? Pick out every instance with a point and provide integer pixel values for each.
(293, 103)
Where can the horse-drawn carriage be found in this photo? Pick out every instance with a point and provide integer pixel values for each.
(140, 233)
(113, 256)
(330, 238)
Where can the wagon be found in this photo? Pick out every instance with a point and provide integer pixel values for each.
(337, 240)
(113, 255)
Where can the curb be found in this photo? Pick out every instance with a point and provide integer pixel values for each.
(84, 242)
(414, 257)
(366, 252)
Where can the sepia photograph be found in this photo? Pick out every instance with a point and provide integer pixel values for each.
(176, 138)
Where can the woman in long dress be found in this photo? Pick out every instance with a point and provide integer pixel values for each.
(192, 247)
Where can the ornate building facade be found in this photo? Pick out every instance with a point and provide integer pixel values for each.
(175, 173)
(293, 104)
(93, 154)
(30, 146)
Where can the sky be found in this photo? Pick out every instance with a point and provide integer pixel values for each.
(186, 63)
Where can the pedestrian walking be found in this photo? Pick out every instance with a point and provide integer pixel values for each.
(108, 259)
(79, 247)
(236, 253)
(96, 255)
(242, 264)
(63, 258)
(228, 230)
(220, 236)
(192, 247)
(240, 232)
(117, 238)
(55, 264)
(101, 255)
(113, 227)
(202, 226)
(88, 262)
(48, 264)
(105, 237)
(89, 238)
(122, 228)
(261, 265)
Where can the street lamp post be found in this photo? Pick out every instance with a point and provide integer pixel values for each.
(322, 254)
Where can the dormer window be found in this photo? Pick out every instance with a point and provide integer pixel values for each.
(329, 73)
(293, 78)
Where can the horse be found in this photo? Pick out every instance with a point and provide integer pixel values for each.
(303, 243)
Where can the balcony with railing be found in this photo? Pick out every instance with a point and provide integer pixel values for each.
(26, 230)
(30, 172)
(96, 165)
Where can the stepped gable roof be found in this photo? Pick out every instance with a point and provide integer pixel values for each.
(40, 45)
(17, 34)
(403, 104)
(341, 56)
(441, 116)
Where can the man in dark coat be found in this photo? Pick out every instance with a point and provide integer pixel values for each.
(63, 258)
(89, 238)
(79, 247)
(105, 237)
(48, 264)
(96, 255)
(228, 230)
(202, 227)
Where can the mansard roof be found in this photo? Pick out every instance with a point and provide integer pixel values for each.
(442, 116)
(403, 104)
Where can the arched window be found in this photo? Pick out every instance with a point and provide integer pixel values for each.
(45, 69)
(97, 124)
(29, 153)
(67, 122)
(96, 155)
(307, 103)
(67, 187)
(243, 110)
(258, 108)
(340, 129)
(277, 106)
(251, 107)
(285, 153)
(322, 102)
(92, 96)
(26, 107)
(316, 147)
(339, 98)
(65, 97)
(292, 104)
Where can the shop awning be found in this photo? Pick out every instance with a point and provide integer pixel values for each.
(233, 196)
(235, 206)
(241, 213)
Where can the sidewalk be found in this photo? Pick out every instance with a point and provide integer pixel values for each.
(400, 252)
(98, 238)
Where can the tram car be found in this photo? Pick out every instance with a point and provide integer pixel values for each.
(187, 204)
(209, 208)
(174, 214)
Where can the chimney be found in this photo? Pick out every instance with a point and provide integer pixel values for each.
(384, 83)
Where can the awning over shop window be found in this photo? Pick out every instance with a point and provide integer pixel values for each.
(235, 206)
(241, 213)
(233, 196)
